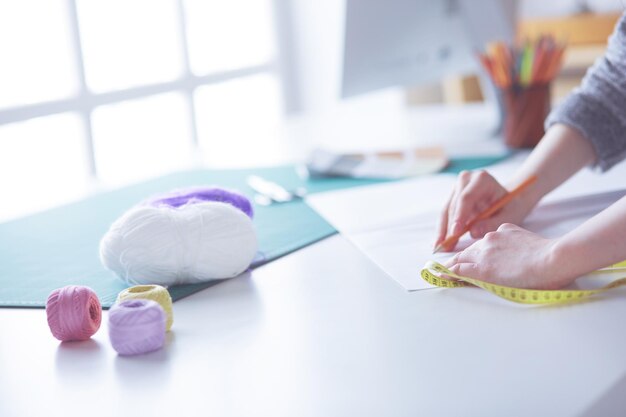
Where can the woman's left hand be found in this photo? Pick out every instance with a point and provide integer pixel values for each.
(513, 257)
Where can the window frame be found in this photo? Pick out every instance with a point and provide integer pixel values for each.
(84, 101)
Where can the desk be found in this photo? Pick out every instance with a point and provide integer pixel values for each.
(324, 332)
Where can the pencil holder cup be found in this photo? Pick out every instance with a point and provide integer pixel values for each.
(524, 110)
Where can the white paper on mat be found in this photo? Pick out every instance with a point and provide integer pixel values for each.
(395, 224)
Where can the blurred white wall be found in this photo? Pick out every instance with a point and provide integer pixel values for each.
(315, 52)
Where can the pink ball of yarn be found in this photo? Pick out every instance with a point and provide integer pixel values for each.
(74, 313)
(137, 326)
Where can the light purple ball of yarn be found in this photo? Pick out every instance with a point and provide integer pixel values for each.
(194, 195)
(137, 326)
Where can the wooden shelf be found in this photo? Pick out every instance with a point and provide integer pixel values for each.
(583, 29)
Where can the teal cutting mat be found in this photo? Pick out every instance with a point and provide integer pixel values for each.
(60, 247)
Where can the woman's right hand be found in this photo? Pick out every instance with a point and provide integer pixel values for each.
(474, 192)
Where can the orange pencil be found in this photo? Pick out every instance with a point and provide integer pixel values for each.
(486, 63)
(540, 53)
(499, 53)
(500, 203)
(493, 52)
(556, 62)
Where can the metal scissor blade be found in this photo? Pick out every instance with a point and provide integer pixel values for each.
(269, 189)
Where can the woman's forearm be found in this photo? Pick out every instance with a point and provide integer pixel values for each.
(597, 243)
(561, 153)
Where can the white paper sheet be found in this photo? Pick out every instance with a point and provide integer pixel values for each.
(376, 206)
(395, 224)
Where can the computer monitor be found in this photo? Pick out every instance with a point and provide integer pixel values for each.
(408, 42)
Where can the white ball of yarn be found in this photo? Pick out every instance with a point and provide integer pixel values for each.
(188, 244)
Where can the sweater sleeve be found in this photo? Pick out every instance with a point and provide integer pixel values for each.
(597, 109)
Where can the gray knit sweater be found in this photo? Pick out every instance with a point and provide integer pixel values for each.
(597, 108)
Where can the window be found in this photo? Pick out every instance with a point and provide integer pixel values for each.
(116, 92)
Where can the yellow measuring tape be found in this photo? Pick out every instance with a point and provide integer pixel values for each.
(433, 271)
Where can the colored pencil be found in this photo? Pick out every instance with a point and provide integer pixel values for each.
(524, 64)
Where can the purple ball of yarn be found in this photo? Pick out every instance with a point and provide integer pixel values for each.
(194, 195)
(137, 326)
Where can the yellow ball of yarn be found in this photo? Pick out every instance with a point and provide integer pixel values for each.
(150, 292)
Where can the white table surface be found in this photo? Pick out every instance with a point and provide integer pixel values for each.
(323, 332)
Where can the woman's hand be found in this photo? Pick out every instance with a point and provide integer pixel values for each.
(474, 192)
(513, 257)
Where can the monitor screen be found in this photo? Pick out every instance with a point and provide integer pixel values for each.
(408, 42)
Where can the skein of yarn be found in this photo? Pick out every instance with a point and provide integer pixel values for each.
(191, 243)
(74, 313)
(137, 326)
(150, 292)
(194, 195)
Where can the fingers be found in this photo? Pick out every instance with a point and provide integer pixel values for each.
(444, 225)
(475, 261)
(452, 261)
(443, 222)
(470, 270)
(497, 222)
(473, 193)
(509, 227)
(454, 226)
(466, 263)
(476, 197)
(481, 228)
